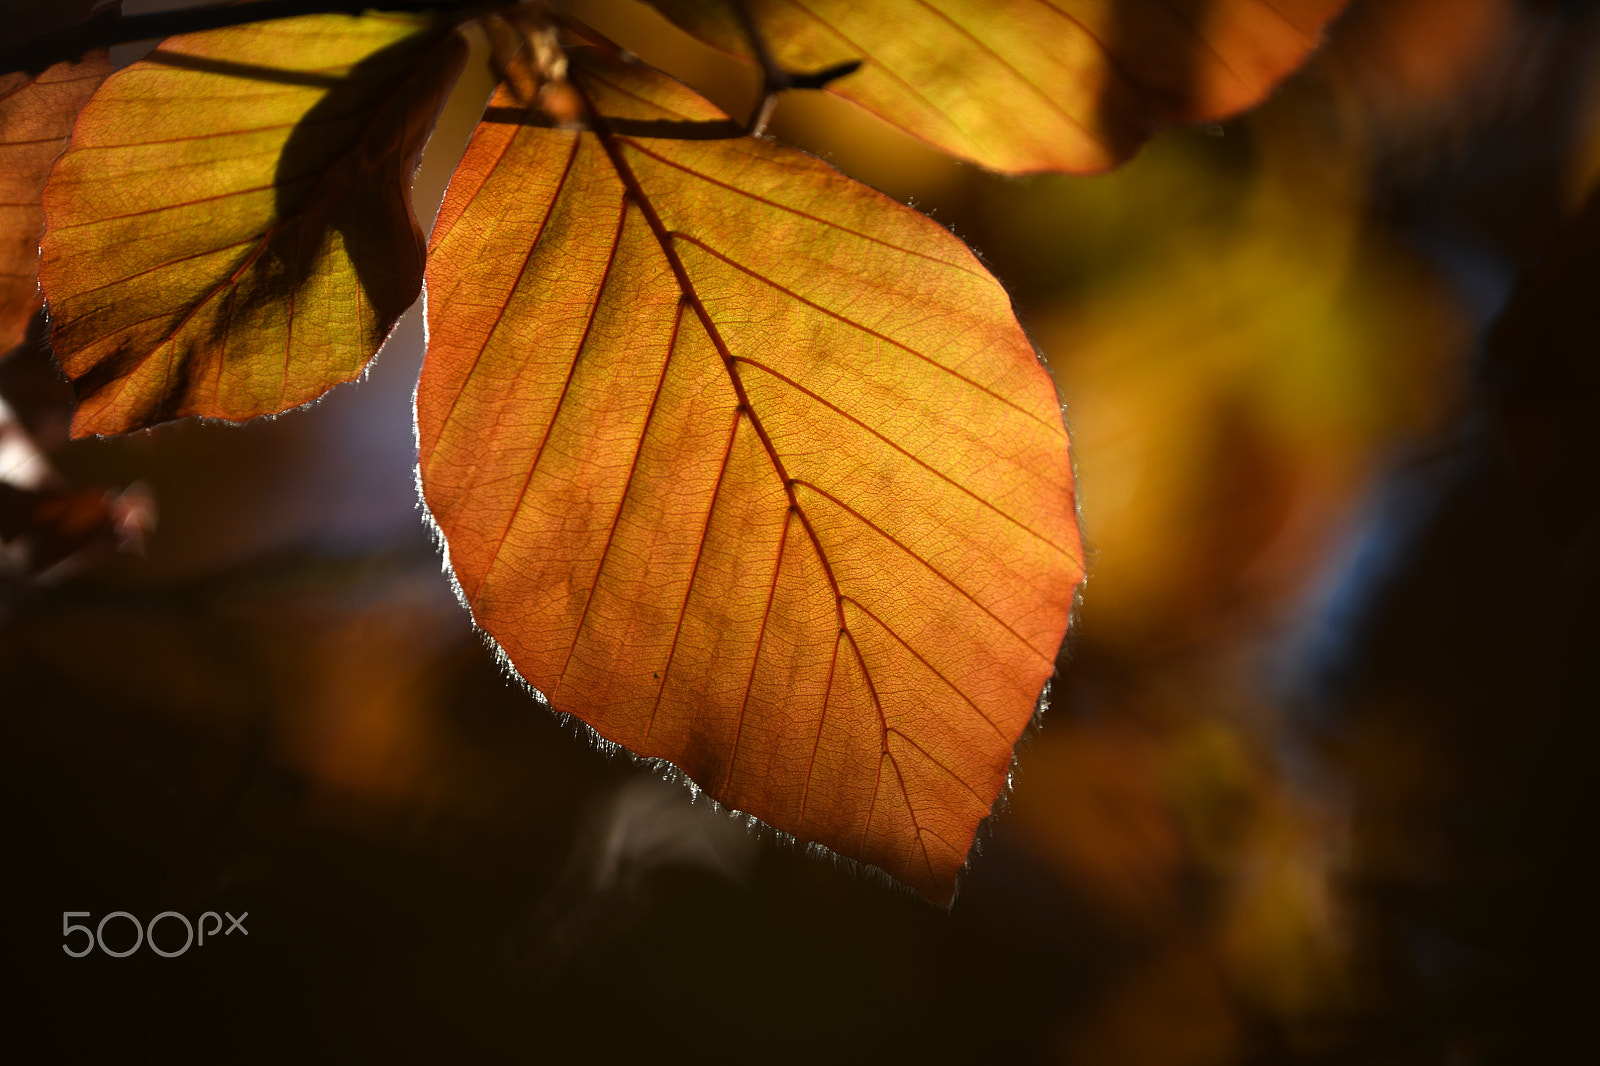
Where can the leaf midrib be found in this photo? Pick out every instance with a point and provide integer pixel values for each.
(664, 239)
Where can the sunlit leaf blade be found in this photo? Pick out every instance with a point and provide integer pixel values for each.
(35, 118)
(1031, 85)
(230, 233)
(751, 469)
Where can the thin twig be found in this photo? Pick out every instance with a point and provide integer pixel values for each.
(775, 79)
(111, 27)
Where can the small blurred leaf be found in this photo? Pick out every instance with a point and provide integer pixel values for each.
(1237, 383)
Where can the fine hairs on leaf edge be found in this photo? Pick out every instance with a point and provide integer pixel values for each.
(670, 772)
(219, 420)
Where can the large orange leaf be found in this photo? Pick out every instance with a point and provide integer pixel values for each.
(1031, 85)
(36, 116)
(230, 233)
(748, 467)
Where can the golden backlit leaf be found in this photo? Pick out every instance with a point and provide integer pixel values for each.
(1031, 85)
(36, 116)
(748, 467)
(230, 233)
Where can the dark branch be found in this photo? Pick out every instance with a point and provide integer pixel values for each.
(671, 129)
(775, 79)
(821, 79)
(112, 27)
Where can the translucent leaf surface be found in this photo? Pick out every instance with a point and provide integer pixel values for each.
(230, 233)
(36, 116)
(750, 468)
(1032, 85)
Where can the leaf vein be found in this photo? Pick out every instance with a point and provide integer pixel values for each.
(822, 718)
(566, 390)
(887, 628)
(870, 524)
(851, 322)
(1205, 43)
(911, 812)
(908, 454)
(511, 291)
(883, 732)
(761, 637)
(907, 738)
(887, 70)
(820, 220)
(622, 502)
(1005, 64)
(694, 573)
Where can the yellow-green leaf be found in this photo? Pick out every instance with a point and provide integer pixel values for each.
(1031, 85)
(36, 116)
(748, 467)
(230, 233)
